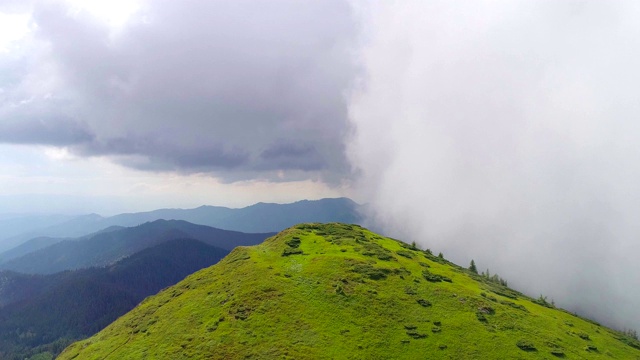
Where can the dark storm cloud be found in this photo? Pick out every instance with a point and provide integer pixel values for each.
(286, 155)
(145, 153)
(240, 75)
(46, 130)
(37, 120)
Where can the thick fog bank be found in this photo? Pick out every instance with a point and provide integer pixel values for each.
(508, 133)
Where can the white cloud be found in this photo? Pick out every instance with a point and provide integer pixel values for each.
(13, 28)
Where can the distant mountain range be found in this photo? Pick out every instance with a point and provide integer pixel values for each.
(64, 278)
(44, 313)
(108, 246)
(258, 218)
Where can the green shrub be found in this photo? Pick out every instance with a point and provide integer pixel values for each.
(241, 312)
(370, 271)
(525, 345)
(591, 348)
(480, 316)
(542, 300)
(583, 336)
(293, 242)
(291, 251)
(486, 309)
(431, 277)
(508, 293)
(514, 305)
(415, 334)
(405, 253)
(375, 250)
(557, 352)
(410, 291)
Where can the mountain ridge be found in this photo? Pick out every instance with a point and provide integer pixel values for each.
(106, 247)
(267, 217)
(319, 291)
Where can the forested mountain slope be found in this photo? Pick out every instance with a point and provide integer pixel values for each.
(57, 309)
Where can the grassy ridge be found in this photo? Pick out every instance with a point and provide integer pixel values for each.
(340, 291)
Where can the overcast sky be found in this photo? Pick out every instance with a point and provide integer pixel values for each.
(185, 102)
(507, 131)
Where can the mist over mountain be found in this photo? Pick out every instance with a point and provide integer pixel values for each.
(105, 248)
(43, 242)
(507, 132)
(14, 225)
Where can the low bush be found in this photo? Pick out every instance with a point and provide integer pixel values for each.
(508, 293)
(542, 300)
(514, 305)
(241, 312)
(291, 251)
(405, 253)
(415, 334)
(487, 310)
(370, 271)
(431, 277)
(591, 348)
(480, 316)
(583, 336)
(557, 353)
(410, 290)
(375, 250)
(525, 345)
(293, 242)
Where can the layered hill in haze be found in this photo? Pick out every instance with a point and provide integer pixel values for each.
(46, 312)
(258, 218)
(340, 291)
(115, 243)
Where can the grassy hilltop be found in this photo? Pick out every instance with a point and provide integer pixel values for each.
(340, 291)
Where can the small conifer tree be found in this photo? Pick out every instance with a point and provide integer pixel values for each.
(473, 267)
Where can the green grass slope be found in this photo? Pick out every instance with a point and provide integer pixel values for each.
(342, 292)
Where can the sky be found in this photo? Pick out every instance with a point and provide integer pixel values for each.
(507, 132)
(174, 104)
